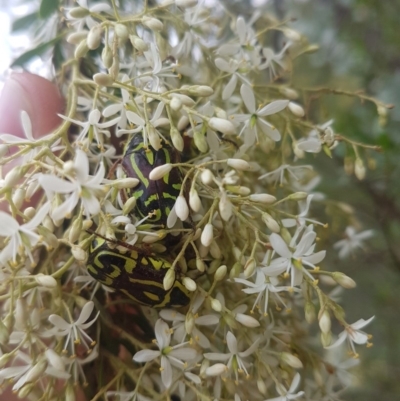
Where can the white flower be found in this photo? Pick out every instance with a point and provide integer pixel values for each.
(352, 241)
(180, 327)
(169, 355)
(294, 257)
(231, 68)
(155, 78)
(313, 143)
(94, 123)
(150, 133)
(262, 286)
(83, 186)
(88, 20)
(271, 58)
(20, 236)
(353, 334)
(287, 395)
(119, 107)
(234, 357)
(278, 175)
(253, 123)
(301, 218)
(75, 331)
(28, 140)
(246, 38)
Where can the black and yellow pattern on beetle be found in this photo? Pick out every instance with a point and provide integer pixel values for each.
(152, 196)
(138, 277)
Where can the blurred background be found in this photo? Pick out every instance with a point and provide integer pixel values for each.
(359, 50)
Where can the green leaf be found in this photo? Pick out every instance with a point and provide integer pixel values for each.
(35, 52)
(24, 22)
(48, 7)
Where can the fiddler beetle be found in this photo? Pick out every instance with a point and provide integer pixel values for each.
(137, 275)
(153, 197)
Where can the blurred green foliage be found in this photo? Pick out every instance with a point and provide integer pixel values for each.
(360, 50)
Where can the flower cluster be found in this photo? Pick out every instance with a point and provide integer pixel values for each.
(172, 249)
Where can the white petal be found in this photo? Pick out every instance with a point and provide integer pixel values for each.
(184, 354)
(295, 383)
(163, 334)
(85, 313)
(216, 356)
(279, 246)
(229, 88)
(231, 342)
(145, 355)
(166, 372)
(272, 108)
(248, 98)
(134, 118)
(112, 109)
(359, 324)
(8, 224)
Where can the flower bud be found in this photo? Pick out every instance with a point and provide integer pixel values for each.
(271, 223)
(129, 205)
(107, 56)
(153, 23)
(4, 335)
(216, 370)
(102, 79)
(18, 197)
(296, 109)
(224, 126)
(262, 198)
(200, 141)
(292, 34)
(262, 388)
(169, 279)
(200, 265)
(215, 250)
(189, 284)
(138, 43)
(189, 323)
(46, 281)
(239, 164)
(207, 235)
(194, 200)
(220, 273)
(176, 139)
(94, 37)
(326, 339)
(81, 49)
(185, 3)
(128, 182)
(121, 31)
(325, 322)
(207, 177)
(159, 171)
(249, 267)
(78, 12)
(289, 93)
(200, 90)
(78, 253)
(359, 169)
(238, 189)
(343, 280)
(30, 212)
(21, 314)
(175, 104)
(309, 311)
(297, 196)
(181, 208)
(76, 37)
(36, 371)
(216, 305)
(12, 177)
(247, 320)
(291, 360)
(225, 207)
(154, 138)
